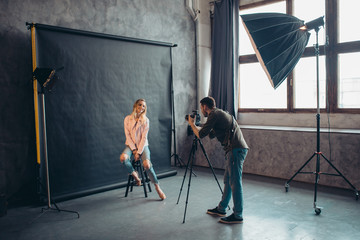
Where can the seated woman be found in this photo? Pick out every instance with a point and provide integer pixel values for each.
(136, 126)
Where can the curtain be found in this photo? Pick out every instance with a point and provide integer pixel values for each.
(225, 54)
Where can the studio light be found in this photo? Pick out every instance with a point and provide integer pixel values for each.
(314, 24)
(46, 77)
(279, 41)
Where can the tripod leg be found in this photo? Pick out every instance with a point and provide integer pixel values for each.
(187, 167)
(188, 190)
(211, 167)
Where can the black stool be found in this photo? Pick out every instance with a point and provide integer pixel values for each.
(142, 175)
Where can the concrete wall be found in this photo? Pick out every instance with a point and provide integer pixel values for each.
(280, 151)
(159, 20)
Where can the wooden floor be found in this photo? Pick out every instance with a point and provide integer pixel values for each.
(269, 213)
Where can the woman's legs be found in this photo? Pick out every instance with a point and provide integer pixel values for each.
(150, 171)
(125, 159)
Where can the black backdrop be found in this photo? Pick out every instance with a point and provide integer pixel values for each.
(103, 75)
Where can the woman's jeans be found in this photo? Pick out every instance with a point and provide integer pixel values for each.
(233, 181)
(145, 155)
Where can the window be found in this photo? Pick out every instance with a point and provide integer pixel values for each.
(305, 78)
(349, 18)
(308, 10)
(256, 91)
(305, 83)
(348, 56)
(349, 81)
(339, 76)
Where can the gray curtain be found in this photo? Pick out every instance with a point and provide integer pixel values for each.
(225, 54)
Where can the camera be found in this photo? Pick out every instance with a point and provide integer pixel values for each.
(195, 114)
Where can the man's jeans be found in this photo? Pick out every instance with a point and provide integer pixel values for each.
(233, 181)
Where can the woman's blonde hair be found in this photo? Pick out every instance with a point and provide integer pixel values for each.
(142, 117)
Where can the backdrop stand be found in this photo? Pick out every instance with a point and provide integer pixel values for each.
(318, 153)
(177, 159)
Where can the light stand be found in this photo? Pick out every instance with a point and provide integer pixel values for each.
(190, 163)
(45, 77)
(318, 153)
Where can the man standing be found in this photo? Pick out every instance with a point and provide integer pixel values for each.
(224, 127)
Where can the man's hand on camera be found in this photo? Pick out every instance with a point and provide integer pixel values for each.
(193, 126)
(191, 120)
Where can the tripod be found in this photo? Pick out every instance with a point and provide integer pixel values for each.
(318, 153)
(190, 163)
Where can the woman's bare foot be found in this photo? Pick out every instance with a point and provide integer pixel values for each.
(160, 192)
(136, 177)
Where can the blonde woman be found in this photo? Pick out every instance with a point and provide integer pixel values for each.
(136, 126)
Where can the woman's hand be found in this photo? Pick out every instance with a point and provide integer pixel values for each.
(137, 157)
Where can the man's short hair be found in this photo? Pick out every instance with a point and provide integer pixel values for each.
(209, 102)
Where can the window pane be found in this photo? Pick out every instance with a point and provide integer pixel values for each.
(349, 18)
(305, 83)
(256, 90)
(349, 81)
(309, 10)
(244, 41)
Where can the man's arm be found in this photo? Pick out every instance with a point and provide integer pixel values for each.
(195, 128)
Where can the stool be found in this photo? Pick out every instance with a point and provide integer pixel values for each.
(137, 165)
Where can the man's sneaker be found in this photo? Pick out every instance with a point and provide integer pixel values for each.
(231, 219)
(216, 211)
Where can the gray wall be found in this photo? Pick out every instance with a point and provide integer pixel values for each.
(279, 152)
(159, 20)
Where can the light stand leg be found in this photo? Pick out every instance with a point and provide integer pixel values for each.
(341, 175)
(287, 184)
(49, 200)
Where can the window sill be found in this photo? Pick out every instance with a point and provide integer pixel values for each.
(301, 129)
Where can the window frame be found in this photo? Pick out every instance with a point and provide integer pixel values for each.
(333, 49)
